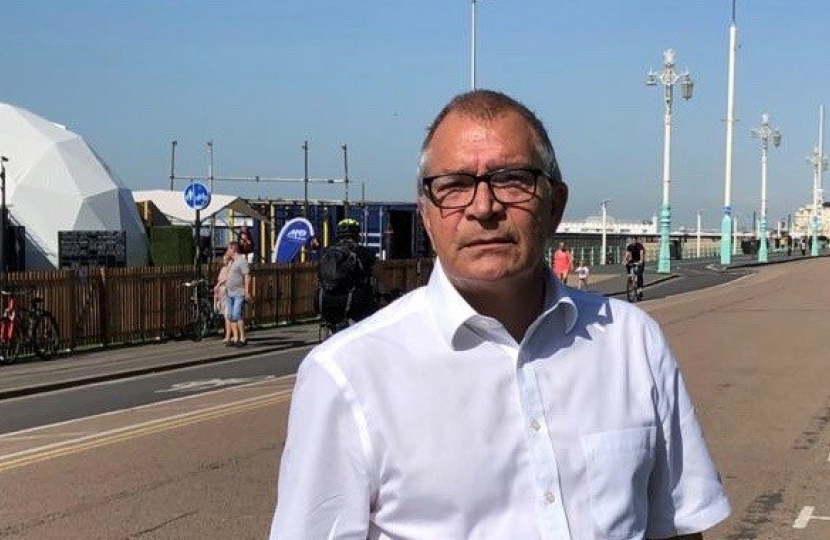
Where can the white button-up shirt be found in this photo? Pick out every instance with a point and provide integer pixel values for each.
(429, 421)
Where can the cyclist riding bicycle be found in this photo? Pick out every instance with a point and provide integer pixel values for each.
(635, 258)
(345, 279)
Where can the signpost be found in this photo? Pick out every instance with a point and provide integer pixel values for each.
(197, 197)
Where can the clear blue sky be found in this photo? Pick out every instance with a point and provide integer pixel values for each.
(260, 77)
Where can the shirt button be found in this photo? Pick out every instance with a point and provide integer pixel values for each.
(550, 498)
(536, 425)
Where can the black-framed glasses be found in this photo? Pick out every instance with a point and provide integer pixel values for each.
(457, 190)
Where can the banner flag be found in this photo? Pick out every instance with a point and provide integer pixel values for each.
(292, 237)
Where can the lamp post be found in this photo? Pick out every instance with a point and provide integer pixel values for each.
(667, 77)
(473, 45)
(764, 133)
(698, 234)
(213, 215)
(3, 161)
(172, 162)
(305, 179)
(602, 256)
(346, 179)
(735, 235)
(819, 163)
(726, 224)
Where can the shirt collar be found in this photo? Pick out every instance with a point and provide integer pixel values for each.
(452, 312)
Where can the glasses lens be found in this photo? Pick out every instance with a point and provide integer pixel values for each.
(513, 185)
(452, 190)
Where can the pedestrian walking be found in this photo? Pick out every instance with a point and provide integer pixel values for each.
(239, 293)
(563, 263)
(582, 273)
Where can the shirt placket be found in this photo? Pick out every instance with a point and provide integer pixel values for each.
(554, 523)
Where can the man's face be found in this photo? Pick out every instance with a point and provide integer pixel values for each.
(488, 241)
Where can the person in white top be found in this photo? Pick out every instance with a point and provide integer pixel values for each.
(583, 272)
(494, 403)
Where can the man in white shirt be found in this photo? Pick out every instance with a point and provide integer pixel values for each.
(494, 403)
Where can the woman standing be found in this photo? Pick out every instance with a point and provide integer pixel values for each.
(563, 263)
(220, 295)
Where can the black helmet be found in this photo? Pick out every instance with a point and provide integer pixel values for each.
(348, 227)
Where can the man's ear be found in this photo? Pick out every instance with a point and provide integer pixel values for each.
(558, 200)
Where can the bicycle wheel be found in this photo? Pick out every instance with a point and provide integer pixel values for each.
(324, 332)
(195, 322)
(46, 336)
(11, 342)
(206, 320)
(631, 288)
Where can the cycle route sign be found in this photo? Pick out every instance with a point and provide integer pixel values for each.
(197, 195)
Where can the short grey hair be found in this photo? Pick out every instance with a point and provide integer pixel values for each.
(490, 105)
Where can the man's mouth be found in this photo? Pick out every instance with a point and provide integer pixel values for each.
(488, 242)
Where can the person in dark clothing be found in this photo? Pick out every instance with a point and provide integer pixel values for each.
(635, 256)
(346, 292)
(246, 243)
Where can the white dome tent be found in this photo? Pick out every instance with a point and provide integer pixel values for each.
(56, 182)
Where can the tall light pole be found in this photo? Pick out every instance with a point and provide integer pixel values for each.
(473, 45)
(819, 163)
(305, 179)
(698, 233)
(667, 77)
(726, 225)
(172, 162)
(210, 185)
(764, 133)
(602, 256)
(735, 235)
(346, 179)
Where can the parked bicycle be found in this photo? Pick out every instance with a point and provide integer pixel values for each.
(202, 319)
(31, 326)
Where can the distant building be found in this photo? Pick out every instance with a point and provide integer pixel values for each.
(593, 225)
(802, 217)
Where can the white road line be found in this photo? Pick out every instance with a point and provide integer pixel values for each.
(805, 516)
(288, 379)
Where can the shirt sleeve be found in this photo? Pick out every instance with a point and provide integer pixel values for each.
(685, 491)
(324, 487)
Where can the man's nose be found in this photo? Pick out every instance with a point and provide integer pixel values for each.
(484, 202)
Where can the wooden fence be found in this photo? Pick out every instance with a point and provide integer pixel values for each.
(115, 306)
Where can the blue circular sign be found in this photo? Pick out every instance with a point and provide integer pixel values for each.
(197, 195)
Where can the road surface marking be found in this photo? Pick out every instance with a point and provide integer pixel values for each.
(805, 516)
(105, 438)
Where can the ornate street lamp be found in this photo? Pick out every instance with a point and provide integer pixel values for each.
(668, 77)
(765, 134)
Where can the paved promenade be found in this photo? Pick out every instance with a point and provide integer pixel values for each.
(755, 356)
(754, 352)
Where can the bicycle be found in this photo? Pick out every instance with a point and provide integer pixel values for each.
(202, 319)
(336, 318)
(20, 326)
(632, 292)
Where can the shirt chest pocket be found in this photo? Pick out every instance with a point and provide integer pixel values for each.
(618, 466)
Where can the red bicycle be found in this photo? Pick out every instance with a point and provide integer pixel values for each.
(20, 326)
